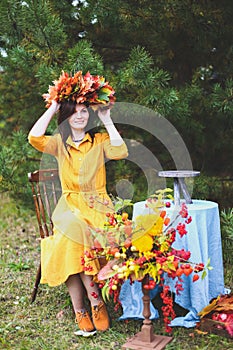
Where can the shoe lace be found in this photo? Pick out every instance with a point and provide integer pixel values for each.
(96, 310)
(80, 315)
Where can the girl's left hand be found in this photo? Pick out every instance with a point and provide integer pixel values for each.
(104, 114)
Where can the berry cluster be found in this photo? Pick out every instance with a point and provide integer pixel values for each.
(149, 286)
(167, 308)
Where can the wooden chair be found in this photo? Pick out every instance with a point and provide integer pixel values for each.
(46, 190)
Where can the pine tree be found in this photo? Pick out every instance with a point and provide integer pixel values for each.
(173, 57)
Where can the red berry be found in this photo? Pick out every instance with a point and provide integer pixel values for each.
(95, 295)
(168, 204)
(166, 221)
(146, 286)
(162, 213)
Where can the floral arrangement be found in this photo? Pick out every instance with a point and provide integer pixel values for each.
(88, 89)
(141, 250)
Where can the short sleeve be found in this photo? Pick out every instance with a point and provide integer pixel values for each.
(114, 152)
(44, 143)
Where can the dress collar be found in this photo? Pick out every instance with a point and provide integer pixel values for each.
(87, 137)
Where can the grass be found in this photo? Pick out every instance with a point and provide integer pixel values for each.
(48, 323)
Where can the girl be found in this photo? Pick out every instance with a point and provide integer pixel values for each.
(80, 156)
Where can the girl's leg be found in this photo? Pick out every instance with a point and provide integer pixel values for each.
(92, 289)
(76, 291)
(100, 315)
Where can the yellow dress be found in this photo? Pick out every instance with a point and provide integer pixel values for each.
(83, 181)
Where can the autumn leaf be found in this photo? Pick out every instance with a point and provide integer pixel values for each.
(207, 309)
(221, 303)
(106, 271)
(225, 303)
(105, 292)
(143, 243)
(229, 325)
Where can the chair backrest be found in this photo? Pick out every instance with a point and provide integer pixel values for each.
(46, 190)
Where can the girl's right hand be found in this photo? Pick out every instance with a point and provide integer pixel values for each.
(54, 106)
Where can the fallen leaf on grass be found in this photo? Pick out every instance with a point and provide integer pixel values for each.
(200, 332)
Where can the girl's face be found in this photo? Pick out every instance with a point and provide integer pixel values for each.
(79, 119)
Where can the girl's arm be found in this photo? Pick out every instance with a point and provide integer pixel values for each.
(115, 137)
(42, 123)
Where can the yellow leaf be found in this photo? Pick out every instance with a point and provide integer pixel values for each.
(105, 292)
(143, 243)
(106, 90)
(157, 228)
(164, 247)
(200, 332)
(206, 310)
(137, 274)
(146, 222)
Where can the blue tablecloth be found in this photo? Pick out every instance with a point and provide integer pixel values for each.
(203, 241)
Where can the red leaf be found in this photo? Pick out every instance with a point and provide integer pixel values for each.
(195, 278)
(229, 324)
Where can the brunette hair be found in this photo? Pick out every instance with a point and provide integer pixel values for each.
(67, 108)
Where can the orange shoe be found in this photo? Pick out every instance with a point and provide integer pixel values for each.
(100, 317)
(84, 321)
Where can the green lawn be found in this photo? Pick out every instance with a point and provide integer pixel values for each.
(48, 323)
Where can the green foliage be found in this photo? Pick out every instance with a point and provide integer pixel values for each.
(174, 57)
(206, 188)
(222, 98)
(143, 83)
(35, 58)
(83, 57)
(121, 204)
(227, 235)
(180, 35)
(19, 266)
(17, 158)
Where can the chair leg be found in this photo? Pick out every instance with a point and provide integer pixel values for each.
(37, 282)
